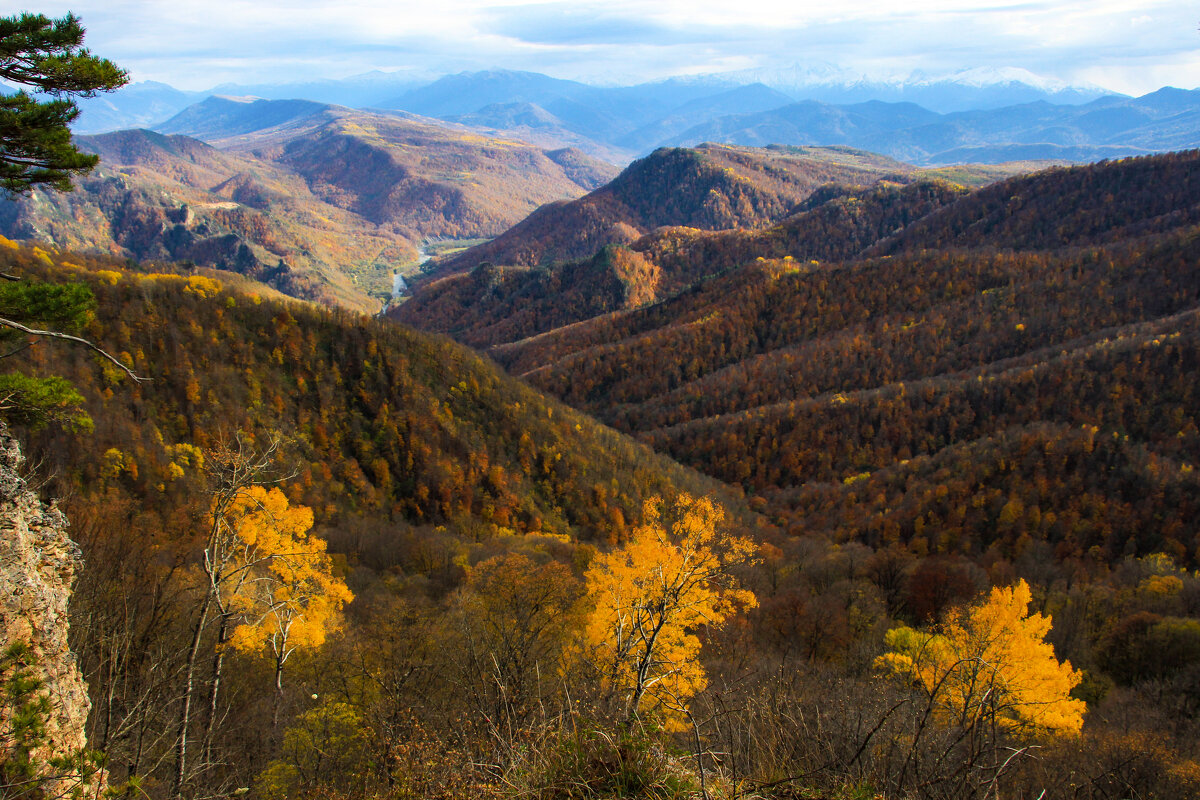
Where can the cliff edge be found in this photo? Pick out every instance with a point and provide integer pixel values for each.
(38, 562)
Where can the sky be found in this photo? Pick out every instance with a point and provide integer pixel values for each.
(1130, 46)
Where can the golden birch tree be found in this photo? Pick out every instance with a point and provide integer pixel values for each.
(648, 599)
(991, 662)
(290, 599)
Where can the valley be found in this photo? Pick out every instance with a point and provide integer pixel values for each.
(320, 202)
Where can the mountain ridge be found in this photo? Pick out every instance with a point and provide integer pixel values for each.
(620, 123)
(709, 187)
(418, 177)
(1105, 128)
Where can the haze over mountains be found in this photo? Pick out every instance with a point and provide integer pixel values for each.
(972, 115)
(328, 202)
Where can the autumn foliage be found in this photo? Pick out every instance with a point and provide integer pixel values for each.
(712, 187)
(650, 599)
(991, 660)
(290, 599)
(899, 433)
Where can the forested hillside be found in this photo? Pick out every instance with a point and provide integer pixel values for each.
(786, 375)
(973, 387)
(419, 460)
(709, 187)
(494, 306)
(911, 451)
(380, 421)
(669, 220)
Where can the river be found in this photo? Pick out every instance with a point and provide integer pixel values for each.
(399, 285)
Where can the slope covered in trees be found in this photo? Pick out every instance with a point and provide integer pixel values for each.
(1002, 386)
(1062, 207)
(380, 420)
(710, 187)
(416, 458)
(819, 384)
(496, 305)
(994, 417)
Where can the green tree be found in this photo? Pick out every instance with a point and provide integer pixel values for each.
(35, 140)
(31, 400)
(35, 148)
(31, 766)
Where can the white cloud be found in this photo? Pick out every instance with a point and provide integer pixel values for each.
(199, 43)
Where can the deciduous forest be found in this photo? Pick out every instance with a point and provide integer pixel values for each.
(936, 536)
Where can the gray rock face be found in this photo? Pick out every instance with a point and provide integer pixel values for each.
(38, 562)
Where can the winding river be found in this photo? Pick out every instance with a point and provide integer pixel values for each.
(399, 285)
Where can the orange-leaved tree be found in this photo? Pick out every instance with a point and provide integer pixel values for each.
(291, 598)
(648, 599)
(990, 663)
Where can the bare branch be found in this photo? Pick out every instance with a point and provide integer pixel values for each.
(78, 340)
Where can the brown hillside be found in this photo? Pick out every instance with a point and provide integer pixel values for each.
(175, 198)
(419, 177)
(711, 187)
(499, 306)
(847, 392)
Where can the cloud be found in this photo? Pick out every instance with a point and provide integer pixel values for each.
(573, 25)
(199, 43)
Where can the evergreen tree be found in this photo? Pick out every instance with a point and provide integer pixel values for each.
(35, 148)
(48, 56)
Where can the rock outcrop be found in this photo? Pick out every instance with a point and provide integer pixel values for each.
(38, 562)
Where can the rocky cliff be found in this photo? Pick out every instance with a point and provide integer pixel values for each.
(37, 566)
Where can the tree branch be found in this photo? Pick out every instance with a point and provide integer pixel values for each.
(78, 340)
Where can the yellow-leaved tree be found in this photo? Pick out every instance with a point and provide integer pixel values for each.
(290, 600)
(990, 663)
(260, 567)
(648, 599)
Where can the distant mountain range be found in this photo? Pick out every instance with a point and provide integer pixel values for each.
(327, 202)
(972, 116)
(1168, 119)
(964, 90)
